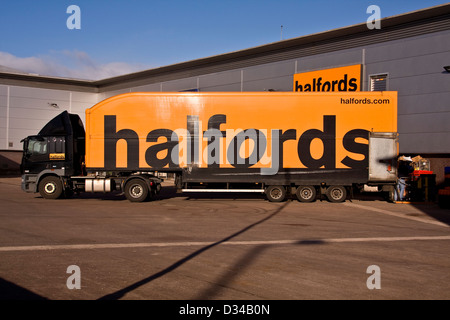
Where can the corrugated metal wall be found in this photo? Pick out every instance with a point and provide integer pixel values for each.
(24, 111)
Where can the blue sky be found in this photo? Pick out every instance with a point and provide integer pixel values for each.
(118, 37)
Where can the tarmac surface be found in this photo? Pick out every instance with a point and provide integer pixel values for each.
(219, 247)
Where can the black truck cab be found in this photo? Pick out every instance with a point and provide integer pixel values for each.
(53, 165)
(57, 150)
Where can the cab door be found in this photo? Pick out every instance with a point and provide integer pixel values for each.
(42, 153)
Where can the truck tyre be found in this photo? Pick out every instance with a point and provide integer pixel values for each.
(336, 194)
(276, 193)
(306, 193)
(136, 190)
(51, 187)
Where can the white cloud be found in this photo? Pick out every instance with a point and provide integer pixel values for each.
(68, 64)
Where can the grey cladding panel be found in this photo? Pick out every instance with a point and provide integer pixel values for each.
(422, 143)
(425, 123)
(3, 101)
(35, 107)
(180, 85)
(15, 135)
(220, 79)
(88, 98)
(3, 90)
(19, 118)
(412, 66)
(109, 94)
(424, 103)
(277, 84)
(148, 88)
(222, 88)
(430, 83)
(2, 120)
(330, 60)
(270, 71)
(37, 93)
(412, 47)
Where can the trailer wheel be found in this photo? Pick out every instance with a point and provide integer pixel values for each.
(51, 187)
(136, 190)
(276, 193)
(336, 194)
(306, 193)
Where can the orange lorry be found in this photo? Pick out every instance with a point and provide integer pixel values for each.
(275, 143)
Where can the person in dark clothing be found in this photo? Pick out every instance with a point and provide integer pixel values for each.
(404, 169)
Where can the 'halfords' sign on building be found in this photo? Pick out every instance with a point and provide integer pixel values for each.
(329, 80)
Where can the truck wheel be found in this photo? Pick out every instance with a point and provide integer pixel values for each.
(276, 193)
(336, 194)
(136, 190)
(51, 188)
(306, 193)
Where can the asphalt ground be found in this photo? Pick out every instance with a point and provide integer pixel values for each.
(220, 247)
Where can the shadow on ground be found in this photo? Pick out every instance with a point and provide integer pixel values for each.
(11, 291)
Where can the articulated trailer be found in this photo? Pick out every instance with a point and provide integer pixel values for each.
(277, 144)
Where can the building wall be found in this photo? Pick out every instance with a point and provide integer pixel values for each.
(415, 68)
(3, 117)
(24, 111)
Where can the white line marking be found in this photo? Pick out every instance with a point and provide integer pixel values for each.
(230, 243)
(395, 214)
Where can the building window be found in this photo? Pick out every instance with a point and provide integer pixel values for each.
(378, 82)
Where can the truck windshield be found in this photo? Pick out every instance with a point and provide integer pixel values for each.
(37, 147)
